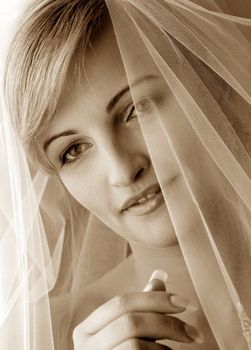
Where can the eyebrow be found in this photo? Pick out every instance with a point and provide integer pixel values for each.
(110, 106)
(121, 93)
(54, 137)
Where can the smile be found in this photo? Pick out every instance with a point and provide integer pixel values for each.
(146, 202)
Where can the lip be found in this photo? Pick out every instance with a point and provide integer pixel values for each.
(132, 201)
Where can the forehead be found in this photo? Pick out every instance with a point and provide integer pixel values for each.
(103, 62)
(105, 68)
(104, 75)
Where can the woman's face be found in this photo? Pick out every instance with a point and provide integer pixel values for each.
(97, 146)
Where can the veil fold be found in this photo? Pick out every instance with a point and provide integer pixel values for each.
(196, 115)
(203, 61)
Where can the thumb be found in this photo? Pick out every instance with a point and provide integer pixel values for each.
(157, 281)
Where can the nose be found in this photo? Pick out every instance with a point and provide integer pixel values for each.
(124, 167)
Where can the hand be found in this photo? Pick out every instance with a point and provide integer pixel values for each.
(132, 321)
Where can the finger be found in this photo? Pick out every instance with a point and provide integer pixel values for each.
(132, 302)
(157, 281)
(155, 285)
(151, 326)
(138, 344)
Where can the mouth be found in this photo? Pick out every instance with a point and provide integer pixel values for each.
(145, 202)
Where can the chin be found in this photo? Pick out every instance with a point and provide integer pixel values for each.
(158, 233)
(160, 240)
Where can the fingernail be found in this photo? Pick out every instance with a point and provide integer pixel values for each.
(148, 287)
(194, 334)
(159, 275)
(180, 301)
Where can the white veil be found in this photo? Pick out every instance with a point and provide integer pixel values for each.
(200, 50)
(203, 57)
(37, 225)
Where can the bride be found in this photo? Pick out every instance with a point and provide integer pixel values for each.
(138, 112)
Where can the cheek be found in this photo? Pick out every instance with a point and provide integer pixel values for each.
(93, 196)
(86, 189)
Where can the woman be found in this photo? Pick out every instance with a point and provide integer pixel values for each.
(139, 114)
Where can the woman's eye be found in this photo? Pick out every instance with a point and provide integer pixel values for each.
(74, 152)
(140, 107)
(131, 115)
(143, 106)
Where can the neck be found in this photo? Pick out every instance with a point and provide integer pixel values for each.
(170, 259)
(145, 254)
(150, 258)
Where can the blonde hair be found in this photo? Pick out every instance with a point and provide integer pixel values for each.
(46, 55)
(51, 38)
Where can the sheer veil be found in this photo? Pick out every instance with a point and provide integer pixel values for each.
(193, 112)
(184, 42)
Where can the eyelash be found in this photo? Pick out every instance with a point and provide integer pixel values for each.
(140, 107)
(128, 118)
(65, 161)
